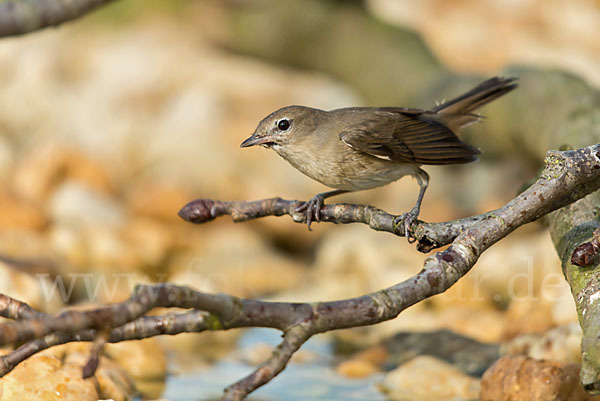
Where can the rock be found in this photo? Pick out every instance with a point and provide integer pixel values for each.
(48, 165)
(36, 291)
(145, 362)
(364, 363)
(157, 199)
(142, 359)
(114, 382)
(367, 263)
(238, 262)
(519, 378)
(485, 325)
(44, 377)
(150, 242)
(7, 156)
(528, 316)
(356, 368)
(559, 344)
(471, 356)
(111, 379)
(425, 378)
(17, 213)
(75, 203)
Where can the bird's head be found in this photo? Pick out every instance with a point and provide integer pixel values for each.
(284, 127)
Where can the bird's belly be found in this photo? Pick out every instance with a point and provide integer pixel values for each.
(358, 173)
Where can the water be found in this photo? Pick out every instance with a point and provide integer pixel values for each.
(314, 379)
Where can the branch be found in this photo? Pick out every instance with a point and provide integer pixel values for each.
(574, 230)
(567, 177)
(18, 17)
(428, 236)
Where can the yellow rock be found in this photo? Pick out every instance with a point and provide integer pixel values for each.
(18, 213)
(356, 368)
(35, 290)
(142, 359)
(519, 378)
(426, 378)
(158, 199)
(44, 377)
(47, 165)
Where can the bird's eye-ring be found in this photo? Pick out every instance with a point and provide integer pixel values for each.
(283, 124)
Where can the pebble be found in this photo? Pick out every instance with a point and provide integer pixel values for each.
(426, 378)
(561, 343)
(520, 378)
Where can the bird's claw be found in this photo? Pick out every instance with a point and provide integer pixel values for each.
(406, 220)
(311, 208)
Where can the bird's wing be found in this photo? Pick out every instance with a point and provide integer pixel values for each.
(408, 136)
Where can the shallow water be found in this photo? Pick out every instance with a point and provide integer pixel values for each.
(314, 379)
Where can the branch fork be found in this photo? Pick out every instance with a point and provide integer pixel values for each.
(568, 176)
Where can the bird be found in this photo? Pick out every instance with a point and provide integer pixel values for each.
(359, 148)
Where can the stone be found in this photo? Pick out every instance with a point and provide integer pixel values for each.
(7, 156)
(528, 316)
(35, 290)
(157, 199)
(238, 262)
(18, 213)
(356, 368)
(150, 241)
(471, 356)
(142, 359)
(145, 361)
(520, 378)
(426, 378)
(46, 166)
(367, 263)
(76, 203)
(561, 343)
(54, 381)
(111, 379)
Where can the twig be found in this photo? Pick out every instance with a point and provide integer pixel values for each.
(16, 310)
(429, 235)
(92, 364)
(292, 341)
(567, 177)
(144, 327)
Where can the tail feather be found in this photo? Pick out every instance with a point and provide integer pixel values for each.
(460, 111)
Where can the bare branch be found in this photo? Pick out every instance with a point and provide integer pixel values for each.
(568, 176)
(429, 235)
(20, 17)
(12, 309)
(147, 326)
(292, 341)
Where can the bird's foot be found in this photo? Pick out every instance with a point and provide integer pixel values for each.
(312, 208)
(406, 220)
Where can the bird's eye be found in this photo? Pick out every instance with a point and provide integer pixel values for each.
(283, 125)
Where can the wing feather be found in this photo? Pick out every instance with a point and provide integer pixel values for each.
(408, 136)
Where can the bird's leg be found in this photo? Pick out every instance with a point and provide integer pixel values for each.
(407, 219)
(313, 206)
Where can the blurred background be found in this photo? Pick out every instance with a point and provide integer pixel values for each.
(111, 123)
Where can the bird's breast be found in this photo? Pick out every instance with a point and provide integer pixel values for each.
(341, 167)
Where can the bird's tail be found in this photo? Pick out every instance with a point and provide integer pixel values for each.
(459, 111)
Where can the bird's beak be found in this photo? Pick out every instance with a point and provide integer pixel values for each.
(255, 140)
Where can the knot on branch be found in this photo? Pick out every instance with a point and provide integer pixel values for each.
(555, 165)
(588, 253)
